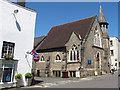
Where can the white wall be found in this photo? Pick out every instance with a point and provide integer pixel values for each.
(119, 53)
(115, 51)
(23, 40)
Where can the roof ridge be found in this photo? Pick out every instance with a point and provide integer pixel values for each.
(74, 21)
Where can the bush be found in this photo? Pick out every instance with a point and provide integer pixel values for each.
(18, 76)
(28, 75)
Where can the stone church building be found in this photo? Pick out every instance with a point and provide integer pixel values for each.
(75, 49)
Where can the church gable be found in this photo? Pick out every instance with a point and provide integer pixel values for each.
(74, 39)
(94, 35)
(97, 41)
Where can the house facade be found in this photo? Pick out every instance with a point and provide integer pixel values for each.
(119, 53)
(17, 24)
(75, 49)
(114, 52)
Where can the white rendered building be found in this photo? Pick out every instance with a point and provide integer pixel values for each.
(114, 46)
(119, 54)
(17, 25)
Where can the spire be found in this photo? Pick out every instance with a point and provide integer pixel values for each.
(101, 16)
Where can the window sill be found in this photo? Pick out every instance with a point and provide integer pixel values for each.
(111, 55)
(73, 62)
(7, 82)
(58, 60)
(41, 61)
(9, 60)
(95, 46)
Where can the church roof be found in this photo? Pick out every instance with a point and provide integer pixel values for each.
(38, 40)
(59, 35)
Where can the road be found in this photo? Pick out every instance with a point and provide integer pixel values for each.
(103, 81)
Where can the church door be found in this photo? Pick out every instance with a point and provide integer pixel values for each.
(98, 60)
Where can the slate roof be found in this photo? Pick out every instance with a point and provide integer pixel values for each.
(38, 40)
(59, 35)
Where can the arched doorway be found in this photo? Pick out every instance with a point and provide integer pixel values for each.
(98, 60)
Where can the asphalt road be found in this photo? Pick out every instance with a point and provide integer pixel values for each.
(103, 81)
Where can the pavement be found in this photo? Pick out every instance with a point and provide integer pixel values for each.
(102, 81)
(119, 78)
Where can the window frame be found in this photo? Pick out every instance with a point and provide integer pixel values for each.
(97, 38)
(58, 57)
(112, 52)
(111, 43)
(58, 60)
(12, 73)
(74, 54)
(9, 46)
(42, 59)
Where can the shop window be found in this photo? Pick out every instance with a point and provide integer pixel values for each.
(8, 48)
(7, 75)
(7, 72)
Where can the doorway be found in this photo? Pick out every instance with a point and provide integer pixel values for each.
(98, 60)
(38, 73)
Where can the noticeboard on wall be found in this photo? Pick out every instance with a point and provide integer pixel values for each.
(89, 61)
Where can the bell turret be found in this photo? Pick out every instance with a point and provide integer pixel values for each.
(102, 21)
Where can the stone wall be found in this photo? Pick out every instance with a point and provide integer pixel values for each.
(87, 51)
(50, 64)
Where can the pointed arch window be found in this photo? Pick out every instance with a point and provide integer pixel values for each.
(58, 57)
(74, 54)
(97, 38)
(71, 55)
(77, 55)
(42, 58)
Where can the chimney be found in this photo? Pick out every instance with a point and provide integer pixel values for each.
(21, 2)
